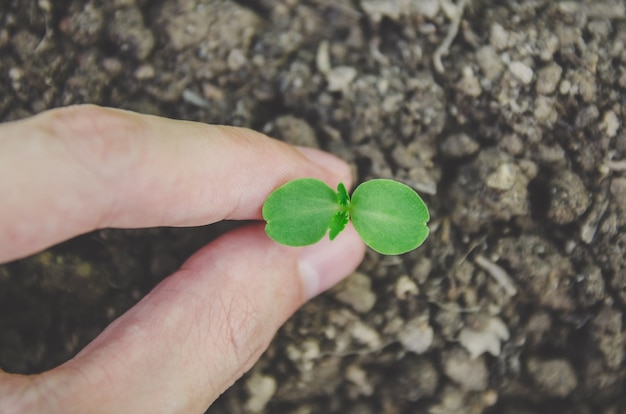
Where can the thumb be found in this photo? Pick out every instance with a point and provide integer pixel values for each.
(200, 329)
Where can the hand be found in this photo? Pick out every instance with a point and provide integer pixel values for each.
(73, 170)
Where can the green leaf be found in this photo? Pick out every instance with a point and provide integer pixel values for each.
(342, 196)
(338, 223)
(300, 212)
(389, 216)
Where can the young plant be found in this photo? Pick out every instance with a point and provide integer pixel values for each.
(389, 216)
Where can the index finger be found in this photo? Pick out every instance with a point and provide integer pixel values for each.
(76, 169)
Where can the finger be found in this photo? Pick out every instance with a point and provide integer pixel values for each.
(72, 170)
(198, 331)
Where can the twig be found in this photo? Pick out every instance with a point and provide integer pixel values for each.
(453, 30)
(497, 273)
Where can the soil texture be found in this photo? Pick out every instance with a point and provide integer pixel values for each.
(506, 116)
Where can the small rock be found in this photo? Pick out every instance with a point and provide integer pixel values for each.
(459, 146)
(406, 156)
(584, 83)
(554, 155)
(428, 8)
(414, 378)
(503, 177)
(548, 79)
(260, 389)
(417, 335)
(554, 376)
(295, 131)
(340, 78)
(322, 57)
(586, 116)
(545, 112)
(490, 62)
(236, 59)
(358, 376)
(356, 291)
(607, 333)
(365, 335)
(83, 26)
(377, 9)
(470, 374)
(144, 72)
(618, 191)
(590, 286)
(491, 187)
(512, 144)
(304, 354)
(469, 83)
(405, 287)
(191, 22)
(610, 124)
(487, 339)
(498, 37)
(195, 98)
(538, 325)
(127, 30)
(522, 72)
(25, 44)
(569, 197)
(543, 273)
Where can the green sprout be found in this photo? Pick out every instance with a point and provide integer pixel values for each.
(389, 216)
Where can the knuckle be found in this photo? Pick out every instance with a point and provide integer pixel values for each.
(102, 140)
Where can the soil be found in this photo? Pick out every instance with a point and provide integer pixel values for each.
(514, 135)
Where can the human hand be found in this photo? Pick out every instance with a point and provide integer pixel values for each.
(69, 171)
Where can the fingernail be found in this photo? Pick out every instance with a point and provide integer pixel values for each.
(326, 263)
(327, 161)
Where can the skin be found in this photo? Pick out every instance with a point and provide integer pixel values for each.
(72, 170)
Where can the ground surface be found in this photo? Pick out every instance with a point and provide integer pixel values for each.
(515, 139)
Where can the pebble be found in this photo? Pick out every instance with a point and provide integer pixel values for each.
(365, 335)
(503, 177)
(487, 339)
(471, 374)
(295, 131)
(569, 197)
(586, 116)
(428, 8)
(545, 112)
(85, 26)
(377, 9)
(417, 335)
(610, 124)
(405, 287)
(144, 72)
(490, 62)
(356, 291)
(555, 376)
(236, 59)
(459, 146)
(522, 72)
(469, 83)
(128, 32)
(340, 78)
(498, 37)
(261, 389)
(548, 79)
(618, 191)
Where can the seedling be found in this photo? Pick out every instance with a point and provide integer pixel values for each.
(389, 216)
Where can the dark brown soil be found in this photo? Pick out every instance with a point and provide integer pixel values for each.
(515, 139)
